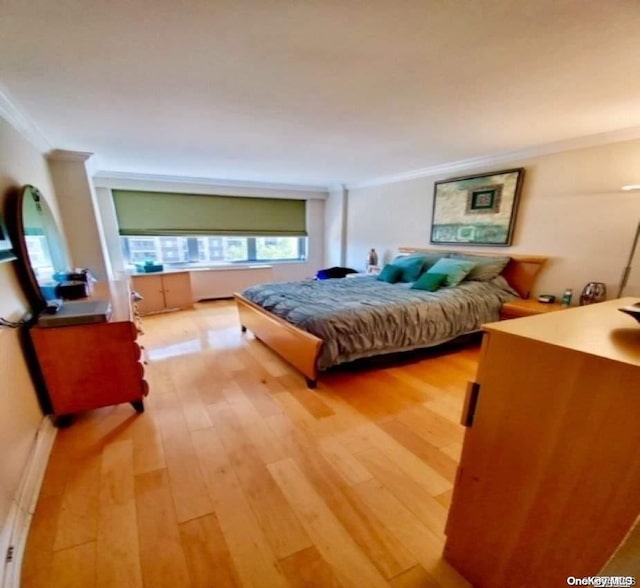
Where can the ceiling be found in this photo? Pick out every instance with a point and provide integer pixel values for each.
(317, 92)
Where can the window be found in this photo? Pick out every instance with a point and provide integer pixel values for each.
(207, 229)
(211, 250)
(39, 256)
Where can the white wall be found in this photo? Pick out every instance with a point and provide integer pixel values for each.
(336, 228)
(78, 207)
(571, 209)
(20, 414)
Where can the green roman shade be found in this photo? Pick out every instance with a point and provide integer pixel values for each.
(162, 213)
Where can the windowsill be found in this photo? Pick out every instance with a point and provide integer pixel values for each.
(176, 268)
(234, 267)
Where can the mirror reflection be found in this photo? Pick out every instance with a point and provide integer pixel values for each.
(43, 242)
(42, 238)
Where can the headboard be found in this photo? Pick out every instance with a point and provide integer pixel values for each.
(520, 272)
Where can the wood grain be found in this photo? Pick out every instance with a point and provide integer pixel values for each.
(307, 569)
(87, 366)
(538, 464)
(78, 518)
(161, 555)
(351, 566)
(75, 566)
(299, 348)
(237, 475)
(207, 554)
(118, 555)
(277, 519)
(252, 556)
(188, 489)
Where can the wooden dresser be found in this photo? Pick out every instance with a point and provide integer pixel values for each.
(549, 479)
(92, 365)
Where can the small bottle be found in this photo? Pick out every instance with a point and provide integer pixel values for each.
(373, 257)
(566, 297)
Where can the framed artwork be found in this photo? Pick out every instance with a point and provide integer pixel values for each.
(6, 251)
(476, 210)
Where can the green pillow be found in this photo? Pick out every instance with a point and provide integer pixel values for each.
(455, 269)
(430, 282)
(412, 266)
(390, 273)
(486, 268)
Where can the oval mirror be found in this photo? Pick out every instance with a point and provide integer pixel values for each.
(38, 243)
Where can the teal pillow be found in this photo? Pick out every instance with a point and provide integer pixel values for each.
(390, 273)
(428, 259)
(486, 268)
(430, 281)
(412, 266)
(455, 269)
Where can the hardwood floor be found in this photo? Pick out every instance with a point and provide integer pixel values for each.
(238, 475)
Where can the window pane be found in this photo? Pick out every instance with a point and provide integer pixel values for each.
(141, 249)
(216, 248)
(39, 256)
(210, 250)
(173, 249)
(271, 248)
(235, 248)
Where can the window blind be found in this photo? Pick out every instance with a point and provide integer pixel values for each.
(162, 213)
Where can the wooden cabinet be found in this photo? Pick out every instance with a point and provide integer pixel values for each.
(519, 308)
(549, 479)
(163, 291)
(222, 282)
(87, 366)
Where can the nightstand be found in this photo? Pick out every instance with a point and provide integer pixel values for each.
(520, 308)
(372, 270)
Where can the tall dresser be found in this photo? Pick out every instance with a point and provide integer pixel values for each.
(549, 480)
(88, 366)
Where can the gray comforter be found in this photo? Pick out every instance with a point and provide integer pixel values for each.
(361, 317)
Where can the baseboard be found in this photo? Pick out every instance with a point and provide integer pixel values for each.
(14, 533)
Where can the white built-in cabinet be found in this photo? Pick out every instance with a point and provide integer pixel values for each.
(165, 291)
(174, 290)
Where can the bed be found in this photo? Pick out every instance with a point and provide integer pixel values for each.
(315, 325)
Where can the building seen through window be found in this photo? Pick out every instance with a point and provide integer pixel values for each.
(39, 256)
(212, 250)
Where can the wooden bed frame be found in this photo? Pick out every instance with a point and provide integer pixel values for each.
(302, 349)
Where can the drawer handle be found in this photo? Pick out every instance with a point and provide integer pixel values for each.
(470, 404)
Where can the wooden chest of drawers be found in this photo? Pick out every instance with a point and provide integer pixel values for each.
(88, 366)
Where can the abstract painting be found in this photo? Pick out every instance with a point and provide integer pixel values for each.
(476, 210)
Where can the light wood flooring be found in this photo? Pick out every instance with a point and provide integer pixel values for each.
(238, 475)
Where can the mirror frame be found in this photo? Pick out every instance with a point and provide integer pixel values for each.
(15, 228)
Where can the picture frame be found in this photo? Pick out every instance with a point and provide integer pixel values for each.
(476, 210)
(6, 249)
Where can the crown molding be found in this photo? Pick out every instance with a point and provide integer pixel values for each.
(64, 155)
(21, 121)
(585, 142)
(197, 185)
(336, 188)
